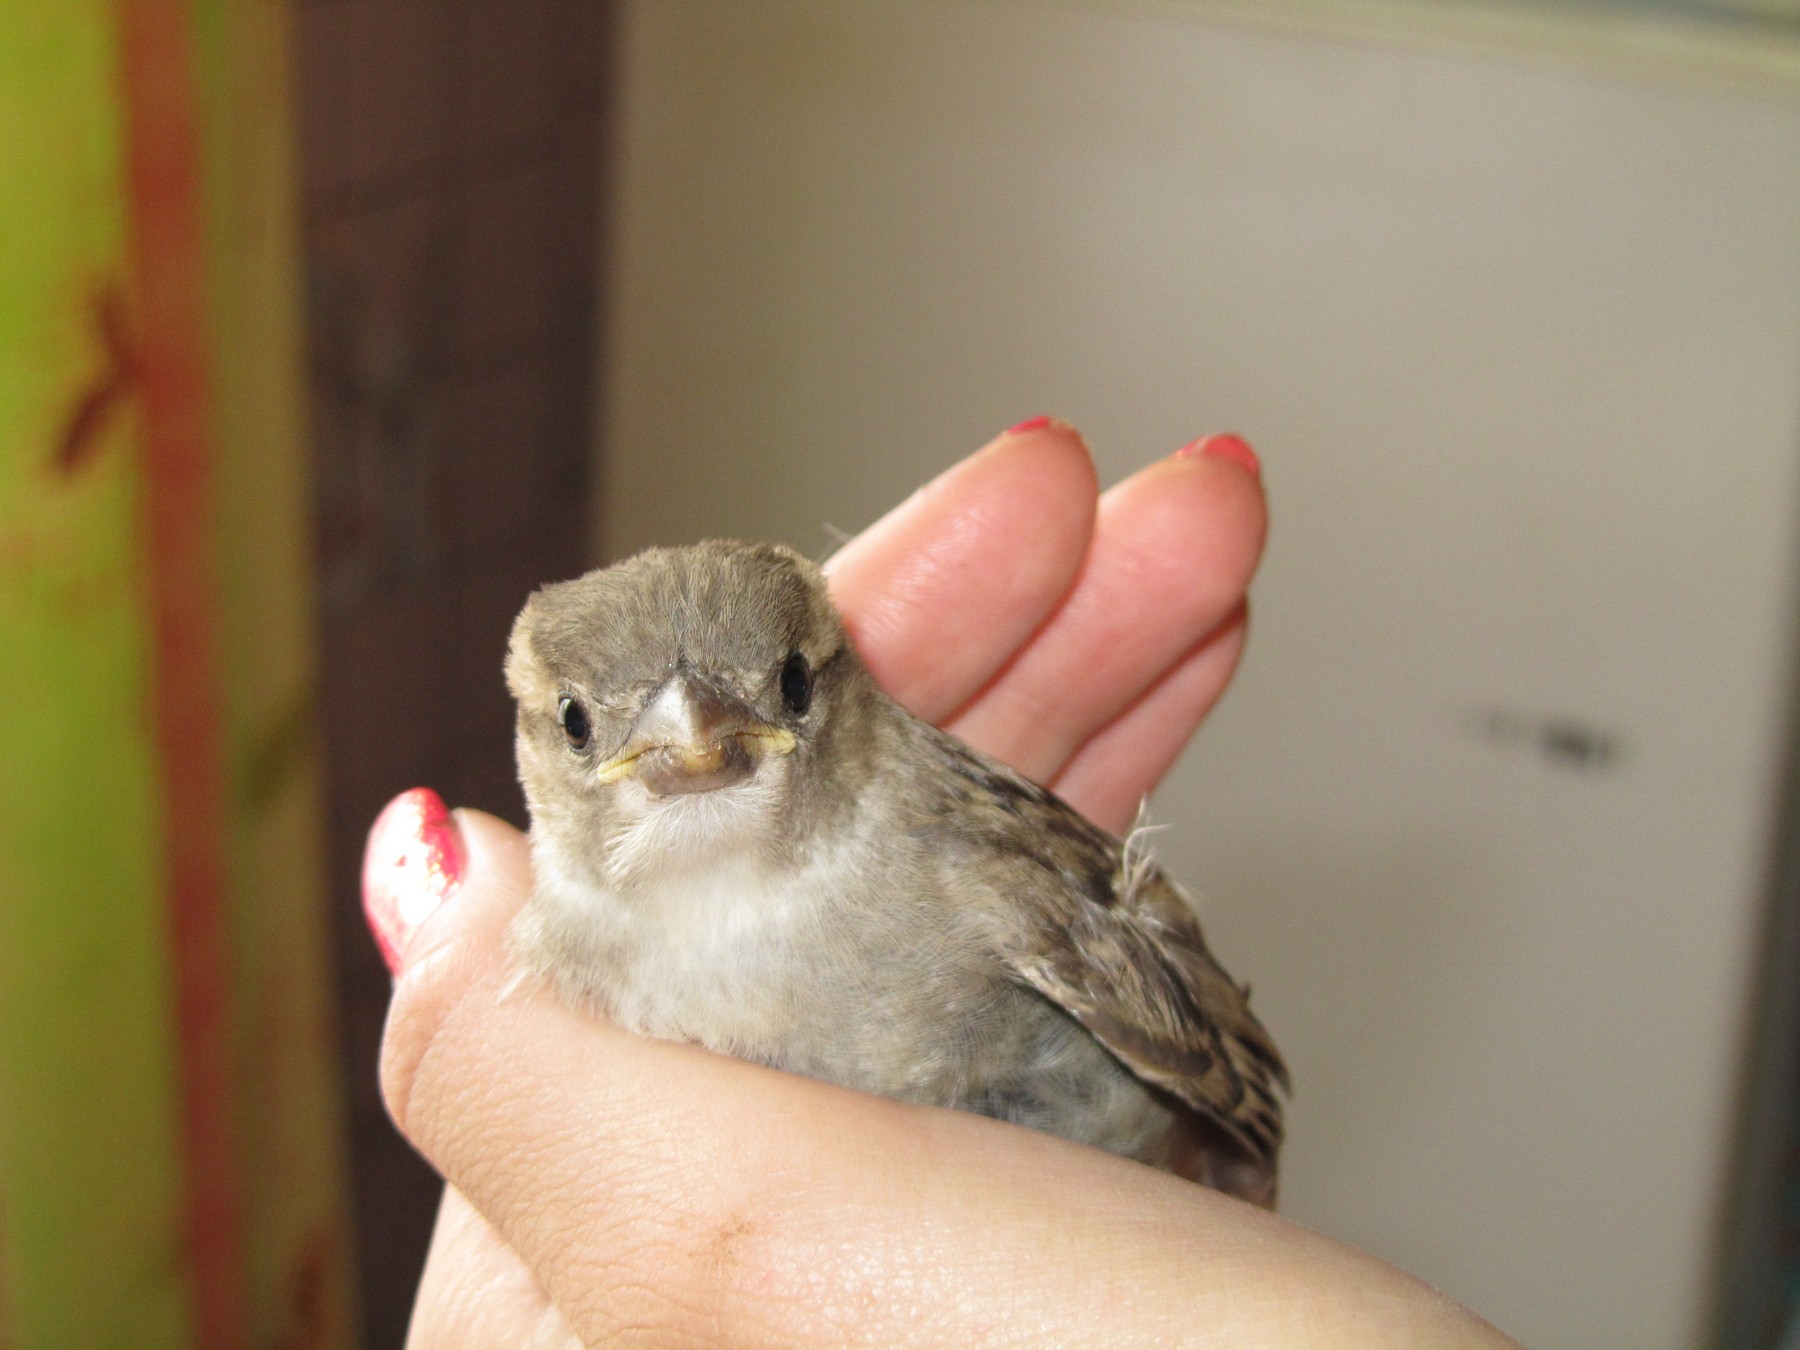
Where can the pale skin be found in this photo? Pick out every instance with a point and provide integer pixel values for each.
(609, 1189)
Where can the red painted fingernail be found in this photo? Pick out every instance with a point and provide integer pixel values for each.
(1037, 423)
(414, 863)
(1225, 446)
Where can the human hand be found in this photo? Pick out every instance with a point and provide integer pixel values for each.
(626, 1188)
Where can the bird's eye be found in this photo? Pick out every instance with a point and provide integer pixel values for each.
(573, 719)
(796, 684)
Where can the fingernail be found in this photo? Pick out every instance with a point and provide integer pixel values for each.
(1037, 423)
(1224, 445)
(414, 863)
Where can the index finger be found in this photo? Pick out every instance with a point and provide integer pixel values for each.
(938, 593)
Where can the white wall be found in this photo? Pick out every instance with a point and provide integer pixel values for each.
(1519, 342)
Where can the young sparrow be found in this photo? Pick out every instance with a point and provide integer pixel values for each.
(740, 840)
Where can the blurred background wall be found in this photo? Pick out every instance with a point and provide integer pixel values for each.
(170, 1152)
(235, 620)
(451, 173)
(1509, 301)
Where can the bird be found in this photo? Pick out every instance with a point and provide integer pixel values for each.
(740, 840)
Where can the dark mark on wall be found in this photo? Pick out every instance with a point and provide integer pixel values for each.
(95, 404)
(1561, 740)
(279, 751)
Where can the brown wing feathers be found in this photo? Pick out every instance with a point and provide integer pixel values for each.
(1119, 949)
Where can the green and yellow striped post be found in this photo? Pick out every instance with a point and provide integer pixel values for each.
(169, 1160)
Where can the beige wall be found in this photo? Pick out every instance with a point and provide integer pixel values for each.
(1519, 341)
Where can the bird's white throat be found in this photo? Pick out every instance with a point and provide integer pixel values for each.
(698, 940)
(655, 837)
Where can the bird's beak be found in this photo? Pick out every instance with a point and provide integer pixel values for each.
(692, 738)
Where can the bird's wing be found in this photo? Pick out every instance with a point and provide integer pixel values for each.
(1114, 943)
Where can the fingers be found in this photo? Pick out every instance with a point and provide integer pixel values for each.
(1000, 598)
(663, 1195)
(1173, 550)
(1109, 775)
(943, 589)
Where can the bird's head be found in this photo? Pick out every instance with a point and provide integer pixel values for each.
(684, 698)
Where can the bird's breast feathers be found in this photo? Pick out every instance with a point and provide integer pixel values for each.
(765, 962)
